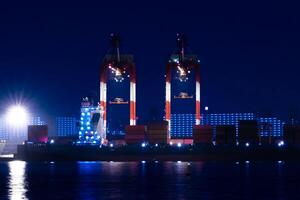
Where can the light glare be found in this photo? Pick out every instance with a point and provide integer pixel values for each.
(17, 116)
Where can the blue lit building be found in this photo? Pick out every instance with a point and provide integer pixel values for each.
(36, 121)
(7, 132)
(216, 119)
(89, 118)
(270, 126)
(182, 124)
(4, 133)
(66, 126)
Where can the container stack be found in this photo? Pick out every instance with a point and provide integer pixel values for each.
(291, 134)
(202, 134)
(135, 134)
(248, 131)
(225, 134)
(158, 133)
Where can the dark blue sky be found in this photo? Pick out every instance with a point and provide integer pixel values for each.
(249, 51)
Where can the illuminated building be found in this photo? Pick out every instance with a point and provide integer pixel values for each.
(216, 119)
(66, 126)
(7, 132)
(15, 135)
(270, 126)
(36, 121)
(89, 120)
(182, 123)
(4, 133)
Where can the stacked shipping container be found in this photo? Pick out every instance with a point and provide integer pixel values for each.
(158, 133)
(135, 134)
(202, 134)
(225, 134)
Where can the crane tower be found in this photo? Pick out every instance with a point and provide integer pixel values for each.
(182, 65)
(117, 67)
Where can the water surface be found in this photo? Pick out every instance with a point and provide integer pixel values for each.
(149, 180)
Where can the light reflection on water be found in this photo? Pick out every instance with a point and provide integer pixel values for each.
(137, 180)
(17, 184)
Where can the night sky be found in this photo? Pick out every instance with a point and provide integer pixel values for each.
(249, 52)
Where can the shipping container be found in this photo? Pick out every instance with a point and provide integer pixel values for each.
(202, 134)
(248, 131)
(291, 134)
(225, 134)
(38, 133)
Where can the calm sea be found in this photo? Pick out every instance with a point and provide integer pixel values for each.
(149, 180)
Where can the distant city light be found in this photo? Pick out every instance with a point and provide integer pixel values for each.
(247, 144)
(206, 108)
(17, 116)
(143, 144)
(156, 145)
(111, 145)
(52, 141)
(179, 145)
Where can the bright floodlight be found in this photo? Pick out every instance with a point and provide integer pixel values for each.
(17, 116)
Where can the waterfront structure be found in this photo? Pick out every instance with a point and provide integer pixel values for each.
(270, 126)
(9, 132)
(15, 134)
(225, 134)
(182, 124)
(66, 126)
(179, 69)
(90, 123)
(4, 133)
(117, 68)
(37, 133)
(248, 132)
(215, 119)
(202, 134)
(36, 120)
(291, 133)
